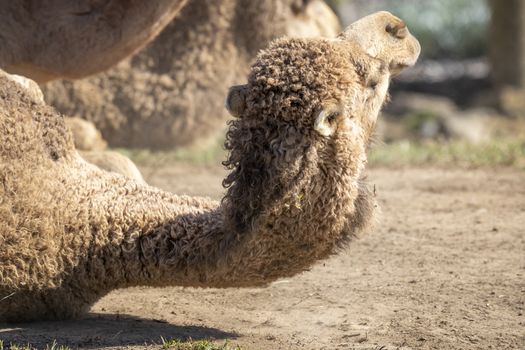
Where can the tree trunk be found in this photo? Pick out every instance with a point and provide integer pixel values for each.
(507, 43)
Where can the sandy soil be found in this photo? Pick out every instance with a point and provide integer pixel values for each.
(444, 269)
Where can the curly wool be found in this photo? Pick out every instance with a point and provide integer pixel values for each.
(283, 171)
(69, 232)
(288, 85)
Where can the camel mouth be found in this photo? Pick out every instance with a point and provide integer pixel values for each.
(397, 68)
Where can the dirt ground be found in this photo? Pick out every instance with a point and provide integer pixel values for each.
(444, 269)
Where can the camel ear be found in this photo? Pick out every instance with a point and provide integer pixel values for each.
(236, 100)
(326, 121)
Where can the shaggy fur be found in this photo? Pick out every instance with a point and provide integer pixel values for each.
(70, 233)
(49, 39)
(171, 94)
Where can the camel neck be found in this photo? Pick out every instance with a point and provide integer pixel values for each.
(296, 225)
(299, 225)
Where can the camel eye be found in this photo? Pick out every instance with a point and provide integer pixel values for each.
(332, 117)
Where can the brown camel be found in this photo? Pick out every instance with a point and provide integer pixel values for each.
(70, 232)
(171, 93)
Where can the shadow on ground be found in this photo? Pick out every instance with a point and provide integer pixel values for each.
(104, 330)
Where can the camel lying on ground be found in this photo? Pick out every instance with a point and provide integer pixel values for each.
(70, 232)
(171, 93)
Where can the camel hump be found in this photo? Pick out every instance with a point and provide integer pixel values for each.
(29, 129)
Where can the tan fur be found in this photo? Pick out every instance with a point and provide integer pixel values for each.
(70, 233)
(30, 87)
(385, 37)
(49, 39)
(316, 19)
(172, 93)
(86, 138)
(113, 162)
(85, 135)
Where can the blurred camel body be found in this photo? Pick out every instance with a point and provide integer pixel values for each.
(92, 147)
(50, 39)
(85, 135)
(113, 162)
(171, 93)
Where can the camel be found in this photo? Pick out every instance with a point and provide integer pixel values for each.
(70, 232)
(51, 39)
(171, 93)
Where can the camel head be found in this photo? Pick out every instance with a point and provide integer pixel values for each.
(333, 87)
(386, 37)
(312, 101)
